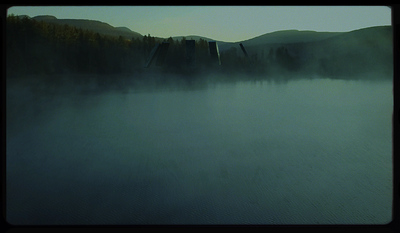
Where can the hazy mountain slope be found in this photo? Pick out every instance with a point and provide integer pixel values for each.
(373, 38)
(93, 25)
(282, 37)
(368, 49)
(365, 50)
(290, 36)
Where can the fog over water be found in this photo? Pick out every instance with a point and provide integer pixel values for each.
(304, 151)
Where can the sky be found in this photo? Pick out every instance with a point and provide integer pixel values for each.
(224, 23)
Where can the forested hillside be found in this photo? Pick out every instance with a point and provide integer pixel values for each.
(39, 47)
(92, 25)
(43, 48)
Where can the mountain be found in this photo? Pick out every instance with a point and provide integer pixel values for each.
(290, 36)
(191, 37)
(330, 53)
(281, 37)
(372, 41)
(364, 49)
(124, 29)
(93, 25)
(319, 43)
(278, 37)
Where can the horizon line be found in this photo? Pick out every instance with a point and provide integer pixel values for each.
(163, 37)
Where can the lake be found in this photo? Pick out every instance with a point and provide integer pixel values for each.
(306, 151)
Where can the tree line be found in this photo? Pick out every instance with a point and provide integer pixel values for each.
(43, 48)
(39, 47)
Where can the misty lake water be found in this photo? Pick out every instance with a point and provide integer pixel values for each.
(307, 151)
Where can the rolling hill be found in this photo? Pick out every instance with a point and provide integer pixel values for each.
(93, 25)
(362, 50)
(281, 37)
(191, 37)
(290, 36)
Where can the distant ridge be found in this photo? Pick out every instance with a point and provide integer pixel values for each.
(282, 37)
(191, 37)
(93, 25)
(291, 36)
(278, 37)
(44, 17)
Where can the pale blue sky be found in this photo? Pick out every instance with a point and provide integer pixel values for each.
(226, 23)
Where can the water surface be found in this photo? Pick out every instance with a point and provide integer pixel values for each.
(309, 151)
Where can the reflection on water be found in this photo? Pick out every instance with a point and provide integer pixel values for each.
(314, 151)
